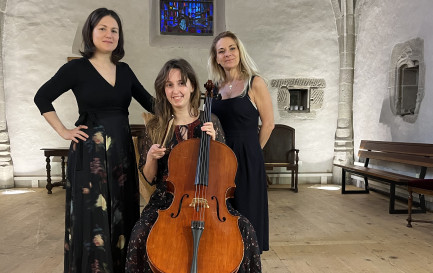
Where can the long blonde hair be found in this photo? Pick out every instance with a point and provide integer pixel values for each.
(163, 109)
(247, 66)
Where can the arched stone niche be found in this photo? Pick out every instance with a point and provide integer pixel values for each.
(406, 55)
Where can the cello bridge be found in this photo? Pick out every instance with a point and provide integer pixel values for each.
(199, 201)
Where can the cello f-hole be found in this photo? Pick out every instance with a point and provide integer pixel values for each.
(180, 206)
(218, 209)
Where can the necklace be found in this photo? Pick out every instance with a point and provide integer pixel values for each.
(233, 83)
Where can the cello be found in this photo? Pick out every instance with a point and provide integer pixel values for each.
(197, 233)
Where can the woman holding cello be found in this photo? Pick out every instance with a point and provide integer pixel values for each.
(177, 96)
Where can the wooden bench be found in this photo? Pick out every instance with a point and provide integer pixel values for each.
(422, 187)
(414, 154)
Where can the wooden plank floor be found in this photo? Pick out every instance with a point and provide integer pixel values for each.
(314, 230)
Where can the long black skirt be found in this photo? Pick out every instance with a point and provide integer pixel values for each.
(102, 196)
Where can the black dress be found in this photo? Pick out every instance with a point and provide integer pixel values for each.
(239, 119)
(136, 261)
(102, 196)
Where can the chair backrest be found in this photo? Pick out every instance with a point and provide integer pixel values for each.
(280, 142)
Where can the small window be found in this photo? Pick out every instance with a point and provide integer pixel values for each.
(408, 89)
(191, 17)
(299, 100)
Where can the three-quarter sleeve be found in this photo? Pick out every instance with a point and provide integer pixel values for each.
(61, 82)
(140, 94)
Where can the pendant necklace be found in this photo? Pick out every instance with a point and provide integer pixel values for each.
(231, 85)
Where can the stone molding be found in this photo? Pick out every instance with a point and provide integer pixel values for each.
(301, 82)
(406, 53)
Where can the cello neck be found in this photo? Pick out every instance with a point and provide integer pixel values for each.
(202, 172)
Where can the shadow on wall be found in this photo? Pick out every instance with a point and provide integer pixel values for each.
(78, 40)
(386, 116)
(398, 128)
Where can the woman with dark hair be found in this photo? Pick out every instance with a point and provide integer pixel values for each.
(177, 95)
(245, 100)
(102, 196)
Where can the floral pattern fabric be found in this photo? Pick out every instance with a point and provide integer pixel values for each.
(102, 201)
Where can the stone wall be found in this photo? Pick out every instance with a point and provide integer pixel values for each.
(6, 165)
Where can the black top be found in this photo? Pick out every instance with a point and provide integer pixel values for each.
(91, 90)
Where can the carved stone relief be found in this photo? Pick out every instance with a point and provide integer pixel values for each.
(315, 87)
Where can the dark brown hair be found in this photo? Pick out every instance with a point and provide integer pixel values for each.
(163, 108)
(90, 24)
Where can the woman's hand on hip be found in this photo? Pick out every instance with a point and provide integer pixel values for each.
(74, 134)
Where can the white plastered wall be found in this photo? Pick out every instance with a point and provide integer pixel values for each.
(382, 25)
(287, 39)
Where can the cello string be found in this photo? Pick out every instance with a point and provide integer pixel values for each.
(205, 165)
(208, 138)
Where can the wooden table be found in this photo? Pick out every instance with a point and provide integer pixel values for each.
(63, 153)
(136, 130)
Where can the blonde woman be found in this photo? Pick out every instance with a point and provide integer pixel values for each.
(245, 100)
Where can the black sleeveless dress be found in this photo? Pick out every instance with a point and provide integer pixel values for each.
(239, 119)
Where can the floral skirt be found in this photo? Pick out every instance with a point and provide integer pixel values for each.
(102, 197)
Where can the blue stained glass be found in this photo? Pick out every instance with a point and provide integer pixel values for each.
(187, 17)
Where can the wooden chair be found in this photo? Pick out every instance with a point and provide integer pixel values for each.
(280, 151)
(422, 187)
(137, 130)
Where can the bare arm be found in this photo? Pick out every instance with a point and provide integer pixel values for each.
(68, 134)
(262, 99)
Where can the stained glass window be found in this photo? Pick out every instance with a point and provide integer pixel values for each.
(191, 17)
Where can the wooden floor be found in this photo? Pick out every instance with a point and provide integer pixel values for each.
(314, 230)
